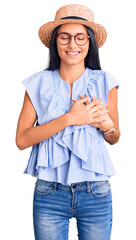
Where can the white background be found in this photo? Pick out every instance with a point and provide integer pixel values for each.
(22, 54)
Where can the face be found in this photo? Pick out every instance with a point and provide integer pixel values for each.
(65, 51)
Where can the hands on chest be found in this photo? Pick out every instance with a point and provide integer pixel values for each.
(95, 114)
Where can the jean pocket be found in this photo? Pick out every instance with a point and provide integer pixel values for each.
(101, 188)
(42, 188)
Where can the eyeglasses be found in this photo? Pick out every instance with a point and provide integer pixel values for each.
(80, 38)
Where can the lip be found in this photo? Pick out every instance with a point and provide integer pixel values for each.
(76, 55)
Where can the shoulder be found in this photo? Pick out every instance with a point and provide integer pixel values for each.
(100, 74)
(103, 77)
(96, 74)
(40, 75)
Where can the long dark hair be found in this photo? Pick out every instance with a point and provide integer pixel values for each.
(91, 61)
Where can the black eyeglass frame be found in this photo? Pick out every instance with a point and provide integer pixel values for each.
(70, 36)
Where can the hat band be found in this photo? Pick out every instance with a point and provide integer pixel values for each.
(74, 17)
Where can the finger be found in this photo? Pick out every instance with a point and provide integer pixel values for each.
(93, 103)
(99, 107)
(100, 113)
(101, 121)
(93, 98)
(74, 99)
(84, 99)
(81, 96)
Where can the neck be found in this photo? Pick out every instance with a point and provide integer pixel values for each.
(71, 73)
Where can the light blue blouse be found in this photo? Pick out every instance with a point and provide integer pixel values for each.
(78, 152)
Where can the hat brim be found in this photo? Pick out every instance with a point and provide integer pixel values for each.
(46, 30)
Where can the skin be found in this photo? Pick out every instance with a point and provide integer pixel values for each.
(72, 68)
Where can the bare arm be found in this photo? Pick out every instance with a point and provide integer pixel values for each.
(113, 113)
(27, 134)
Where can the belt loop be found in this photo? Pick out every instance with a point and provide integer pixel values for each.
(87, 187)
(55, 186)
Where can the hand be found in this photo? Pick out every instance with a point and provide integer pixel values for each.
(91, 113)
(107, 122)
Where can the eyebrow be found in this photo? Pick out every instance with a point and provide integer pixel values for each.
(75, 33)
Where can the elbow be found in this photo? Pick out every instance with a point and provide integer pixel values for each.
(19, 143)
(20, 147)
(115, 140)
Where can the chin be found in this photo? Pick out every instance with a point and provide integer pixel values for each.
(73, 62)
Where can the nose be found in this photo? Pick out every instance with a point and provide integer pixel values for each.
(72, 43)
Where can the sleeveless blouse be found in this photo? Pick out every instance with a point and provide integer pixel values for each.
(78, 152)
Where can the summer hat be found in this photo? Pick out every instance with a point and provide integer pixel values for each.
(73, 13)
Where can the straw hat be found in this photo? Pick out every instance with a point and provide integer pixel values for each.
(73, 13)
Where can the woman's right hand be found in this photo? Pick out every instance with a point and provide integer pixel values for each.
(92, 113)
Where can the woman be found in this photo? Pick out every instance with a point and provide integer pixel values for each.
(75, 105)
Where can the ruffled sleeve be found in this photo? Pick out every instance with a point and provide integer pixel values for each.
(100, 83)
(43, 96)
(32, 86)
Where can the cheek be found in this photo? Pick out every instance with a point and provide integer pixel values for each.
(60, 50)
(86, 51)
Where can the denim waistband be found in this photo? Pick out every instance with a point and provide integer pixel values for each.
(85, 185)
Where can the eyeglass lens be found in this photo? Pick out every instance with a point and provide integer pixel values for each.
(65, 38)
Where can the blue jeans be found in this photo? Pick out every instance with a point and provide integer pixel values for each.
(89, 202)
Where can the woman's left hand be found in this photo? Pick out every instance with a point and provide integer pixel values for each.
(107, 124)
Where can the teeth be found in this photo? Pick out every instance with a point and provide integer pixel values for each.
(72, 53)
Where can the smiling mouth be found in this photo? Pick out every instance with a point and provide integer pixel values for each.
(76, 53)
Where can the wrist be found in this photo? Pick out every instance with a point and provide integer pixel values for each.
(107, 128)
(110, 131)
(68, 119)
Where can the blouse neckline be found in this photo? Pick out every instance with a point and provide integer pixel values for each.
(63, 87)
(76, 81)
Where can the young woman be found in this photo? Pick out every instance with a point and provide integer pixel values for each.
(74, 105)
